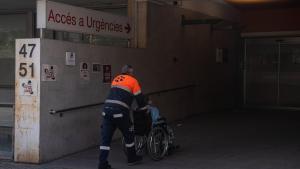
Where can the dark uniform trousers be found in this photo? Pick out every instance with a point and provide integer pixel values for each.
(113, 118)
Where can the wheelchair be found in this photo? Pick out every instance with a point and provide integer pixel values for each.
(160, 141)
(157, 140)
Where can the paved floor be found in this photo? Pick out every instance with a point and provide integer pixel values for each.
(228, 141)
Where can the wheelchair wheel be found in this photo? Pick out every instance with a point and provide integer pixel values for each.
(171, 135)
(157, 143)
(140, 145)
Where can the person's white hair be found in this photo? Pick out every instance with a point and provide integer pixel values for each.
(127, 69)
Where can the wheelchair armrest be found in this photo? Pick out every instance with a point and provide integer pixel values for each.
(162, 119)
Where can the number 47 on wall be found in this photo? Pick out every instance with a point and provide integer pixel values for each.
(23, 50)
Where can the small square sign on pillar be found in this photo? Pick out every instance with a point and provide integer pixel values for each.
(107, 74)
(49, 72)
(96, 67)
(70, 58)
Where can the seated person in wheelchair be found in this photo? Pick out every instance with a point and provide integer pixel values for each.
(158, 119)
(146, 125)
(154, 113)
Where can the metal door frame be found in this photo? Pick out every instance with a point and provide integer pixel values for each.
(280, 41)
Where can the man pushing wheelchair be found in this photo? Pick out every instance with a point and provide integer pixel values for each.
(124, 89)
(156, 134)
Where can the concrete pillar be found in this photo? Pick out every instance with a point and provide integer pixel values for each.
(138, 11)
(27, 106)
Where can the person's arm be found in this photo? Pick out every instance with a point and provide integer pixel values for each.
(139, 96)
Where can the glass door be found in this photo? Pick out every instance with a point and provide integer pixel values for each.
(11, 27)
(289, 85)
(261, 77)
(272, 72)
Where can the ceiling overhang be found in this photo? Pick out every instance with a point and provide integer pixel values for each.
(249, 4)
(15, 6)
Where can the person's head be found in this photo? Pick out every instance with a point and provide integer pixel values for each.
(127, 70)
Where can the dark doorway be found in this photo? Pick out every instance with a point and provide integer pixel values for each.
(272, 72)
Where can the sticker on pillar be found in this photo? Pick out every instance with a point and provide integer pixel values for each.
(84, 71)
(28, 87)
(70, 59)
(96, 68)
(106, 73)
(49, 72)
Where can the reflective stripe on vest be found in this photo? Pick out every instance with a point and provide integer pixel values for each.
(117, 115)
(117, 102)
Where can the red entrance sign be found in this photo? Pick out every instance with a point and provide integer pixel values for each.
(58, 16)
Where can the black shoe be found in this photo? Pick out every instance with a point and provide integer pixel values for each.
(136, 160)
(105, 166)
